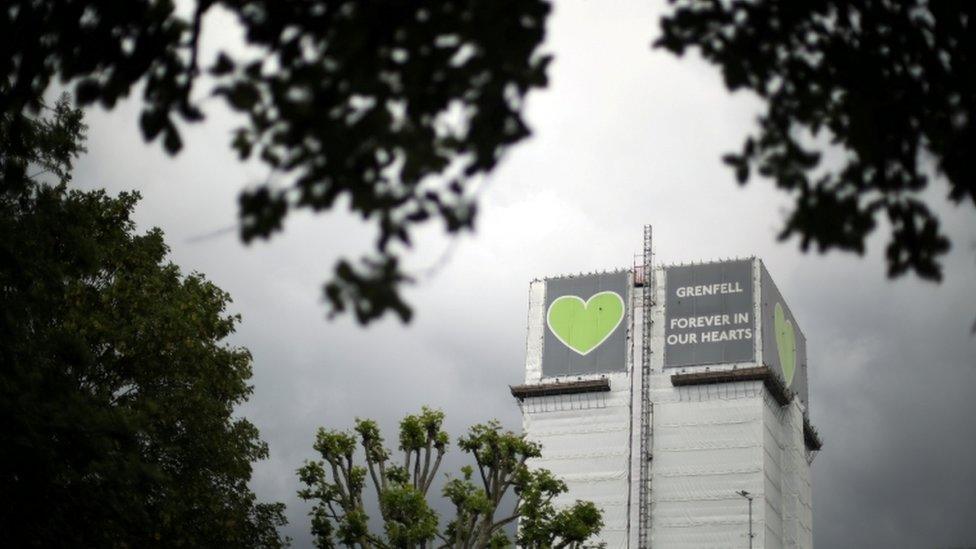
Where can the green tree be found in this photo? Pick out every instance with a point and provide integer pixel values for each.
(117, 390)
(336, 484)
(889, 84)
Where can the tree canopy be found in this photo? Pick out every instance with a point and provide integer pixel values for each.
(396, 109)
(117, 390)
(336, 484)
(393, 106)
(889, 84)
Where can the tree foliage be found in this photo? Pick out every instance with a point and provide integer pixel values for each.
(337, 481)
(890, 83)
(395, 109)
(116, 389)
(392, 106)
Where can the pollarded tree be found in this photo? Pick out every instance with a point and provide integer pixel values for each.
(117, 388)
(336, 484)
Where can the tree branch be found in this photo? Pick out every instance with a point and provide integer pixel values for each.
(416, 469)
(382, 467)
(423, 475)
(503, 522)
(376, 483)
(481, 471)
(433, 472)
(337, 481)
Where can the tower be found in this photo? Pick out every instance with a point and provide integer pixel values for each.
(676, 399)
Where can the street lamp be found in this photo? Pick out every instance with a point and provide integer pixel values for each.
(748, 496)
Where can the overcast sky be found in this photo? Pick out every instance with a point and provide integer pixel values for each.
(623, 136)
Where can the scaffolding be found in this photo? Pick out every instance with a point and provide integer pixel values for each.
(646, 408)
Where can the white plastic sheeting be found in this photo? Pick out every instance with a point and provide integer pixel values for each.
(590, 450)
(585, 438)
(536, 331)
(704, 451)
(708, 442)
(711, 441)
(711, 444)
(787, 477)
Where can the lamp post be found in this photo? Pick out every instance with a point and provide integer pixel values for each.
(748, 496)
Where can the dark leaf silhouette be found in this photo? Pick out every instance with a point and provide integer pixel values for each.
(890, 85)
(396, 107)
(378, 102)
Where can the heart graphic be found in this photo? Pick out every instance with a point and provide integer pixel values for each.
(584, 325)
(785, 343)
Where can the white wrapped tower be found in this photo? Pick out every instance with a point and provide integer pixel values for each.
(723, 398)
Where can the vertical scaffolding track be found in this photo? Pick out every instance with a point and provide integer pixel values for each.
(646, 408)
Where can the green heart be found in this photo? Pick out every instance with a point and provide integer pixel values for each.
(584, 325)
(785, 343)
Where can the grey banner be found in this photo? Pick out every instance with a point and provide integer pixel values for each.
(783, 341)
(708, 316)
(606, 348)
